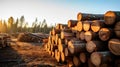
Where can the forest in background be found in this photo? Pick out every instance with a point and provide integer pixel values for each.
(20, 25)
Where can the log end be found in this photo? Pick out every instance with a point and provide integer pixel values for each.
(83, 57)
(76, 61)
(96, 58)
(62, 57)
(90, 46)
(109, 17)
(88, 36)
(114, 46)
(79, 26)
(104, 34)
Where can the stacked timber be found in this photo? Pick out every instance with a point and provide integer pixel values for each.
(93, 40)
(33, 37)
(4, 40)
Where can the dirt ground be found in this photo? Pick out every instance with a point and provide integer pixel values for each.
(22, 54)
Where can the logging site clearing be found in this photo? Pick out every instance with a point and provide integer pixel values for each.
(24, 54)
(93, 40)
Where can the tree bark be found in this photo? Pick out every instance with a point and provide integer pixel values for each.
(86, 16)
(96, 46)
(72, 23)
(98, 58)
(97, 25)
(87, 25)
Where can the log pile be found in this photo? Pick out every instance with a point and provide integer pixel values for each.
(33, 37)
(93, 40)
(4, 40)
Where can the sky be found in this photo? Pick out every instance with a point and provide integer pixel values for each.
(54, 11)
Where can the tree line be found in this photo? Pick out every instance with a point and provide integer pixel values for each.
(20, 25)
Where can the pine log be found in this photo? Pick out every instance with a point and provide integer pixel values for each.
(76, 61)
(57, 38)
(57, 55)
(66, 34)
(76, 46)
(53, 54)
(82, 35)
(74, 29)
(67, 52)
(61, 41)
(83, 57)
(58, 26)
(53, 39)
(72, 23)
(86, 16)
(56, 31)
(89, 35)
(63, 58)
(61, 47)
(117, 29)
(96, 46)
(86, 25)
(105, 34)
(63, 26)
(114, 46)
(70, 64)
(68, 39)
(79, 26)
(98, 58)
(97, 25)
(111, 17)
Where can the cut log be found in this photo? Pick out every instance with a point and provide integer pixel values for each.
(117, 29)
(86, 16)
(53, 39)
(72, 23)
(57, 55)
(114, 46)
(97, 25)
(66, 34)
(83, 57)
(82, 35)
(76, 61)
(86, 25)
(98, 58)
(70, 64)
(58, 26)
(67, 52)
(61, 41)
(89, 35)
(56, 31)
(63, 59)
(79, 26)
(111, 17)
(68, 39)
(57, 38)
(61, 47)
(76, 46)
(96, 46)
(63, 26)
(53, 54)
(105, 34)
